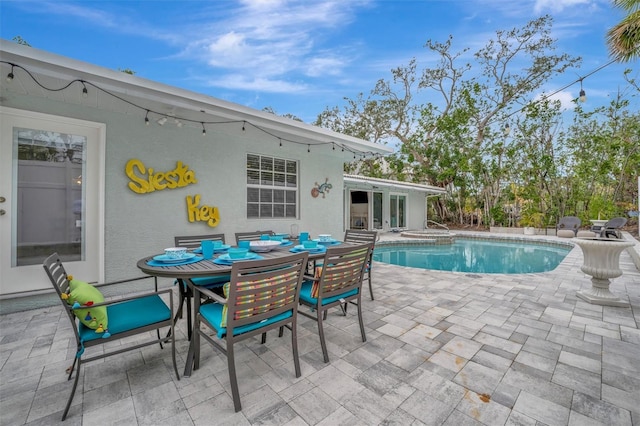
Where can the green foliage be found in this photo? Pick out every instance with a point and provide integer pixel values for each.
(457, 139)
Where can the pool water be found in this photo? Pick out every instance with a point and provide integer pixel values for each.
(473, 255)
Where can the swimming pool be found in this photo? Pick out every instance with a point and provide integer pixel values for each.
(493, 256)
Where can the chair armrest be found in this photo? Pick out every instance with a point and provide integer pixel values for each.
(307, 277)
(127, 280)
(211, 295)
(124, 299)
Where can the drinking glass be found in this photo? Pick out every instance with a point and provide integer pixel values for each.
(207, 249)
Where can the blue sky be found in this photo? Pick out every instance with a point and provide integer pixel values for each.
(301, 56)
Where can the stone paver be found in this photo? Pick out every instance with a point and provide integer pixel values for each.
(442, 349)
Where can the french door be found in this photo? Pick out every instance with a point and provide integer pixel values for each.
(51, 198)
(398, 210)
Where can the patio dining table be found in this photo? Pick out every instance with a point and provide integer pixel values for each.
(204, 268)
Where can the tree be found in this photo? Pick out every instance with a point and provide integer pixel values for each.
(624, 38)
(456, 140)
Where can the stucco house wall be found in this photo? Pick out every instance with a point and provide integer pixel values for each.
(137, 225)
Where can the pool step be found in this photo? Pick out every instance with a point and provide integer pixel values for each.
(432, 236)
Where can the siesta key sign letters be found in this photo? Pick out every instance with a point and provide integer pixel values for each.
(143, 180)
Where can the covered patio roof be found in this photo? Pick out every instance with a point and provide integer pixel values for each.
(369, 183)
(46, 75)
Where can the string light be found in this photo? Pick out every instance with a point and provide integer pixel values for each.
(579, 80)
(506, 130)
(583, 95)
(10, 75)
(179, 121)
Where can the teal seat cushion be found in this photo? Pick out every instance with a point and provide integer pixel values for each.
(211, 281)
(130, 315)
(212, 312)
(305, 294)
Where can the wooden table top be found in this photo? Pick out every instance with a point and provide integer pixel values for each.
(207, 267)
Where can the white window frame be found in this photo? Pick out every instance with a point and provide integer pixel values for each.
(262, 187)
(406, 210)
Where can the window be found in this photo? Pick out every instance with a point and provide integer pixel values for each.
(272, 187)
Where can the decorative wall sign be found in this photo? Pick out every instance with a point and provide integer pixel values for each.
(144, 180)
(197, 213)
(322, 188)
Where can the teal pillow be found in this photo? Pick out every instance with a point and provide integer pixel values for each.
(84, 294)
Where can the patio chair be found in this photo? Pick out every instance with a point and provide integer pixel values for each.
(359, 236)
(262, 295)
(337, 282)
(193, 242)
(568, 227)
(251, 236)
(118, 319)
(612, 228)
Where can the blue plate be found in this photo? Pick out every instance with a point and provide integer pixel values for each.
(222, 248)
(286, 243)
(184, 261)
(300, 248)
(166, 259)
(330, 242)
(224, 259)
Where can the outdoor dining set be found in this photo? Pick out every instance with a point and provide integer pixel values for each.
(228, 293)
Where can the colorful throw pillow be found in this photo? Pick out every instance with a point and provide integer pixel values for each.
(80, 294)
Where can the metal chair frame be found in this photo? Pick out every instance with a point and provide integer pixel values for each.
(359, 236)
(190, 242)
(342, 272)
(280, 295)
(250, 236)
(56, 272)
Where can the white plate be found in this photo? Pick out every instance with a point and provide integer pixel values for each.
(263, 246)
(165, 259)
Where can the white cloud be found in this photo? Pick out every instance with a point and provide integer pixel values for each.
(267, 39)
(555, 6)
(266, 85)
(567, 99)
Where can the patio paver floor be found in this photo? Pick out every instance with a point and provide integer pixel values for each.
(442, 349)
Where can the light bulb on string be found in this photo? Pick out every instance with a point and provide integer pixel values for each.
(85, 92)
(506, 130)
(280, 141)
(582, 97)
(308, 148)
(204, 131)
(146, 118)
(10, 75)
(243, 123)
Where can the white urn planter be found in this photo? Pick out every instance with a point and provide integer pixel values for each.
(529, 230)
(602, 262)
